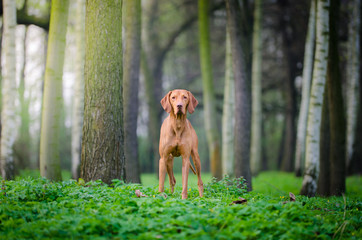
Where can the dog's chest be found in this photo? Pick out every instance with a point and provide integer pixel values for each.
(178, 146)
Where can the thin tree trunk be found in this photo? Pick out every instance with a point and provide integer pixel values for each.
(102, 141)
(264, 157)
(52, 98)
(8, 90)
(78, 105)
(353, 75)
(228, 117)
(154, 123)
(256, 113)
(212, 132)
(306, 82)
(242, 91)
(131, 67)
(309, 186)
(336, 108)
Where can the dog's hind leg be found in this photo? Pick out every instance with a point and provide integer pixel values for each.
(196, 159)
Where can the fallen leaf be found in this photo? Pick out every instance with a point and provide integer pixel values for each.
(164, 195)
(240, 201)
(139, 193)
(292, 197)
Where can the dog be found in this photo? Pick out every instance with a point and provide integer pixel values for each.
(178, 138)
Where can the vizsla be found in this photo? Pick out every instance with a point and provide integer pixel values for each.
(178, 138)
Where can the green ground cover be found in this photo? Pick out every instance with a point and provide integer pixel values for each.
(34, 208)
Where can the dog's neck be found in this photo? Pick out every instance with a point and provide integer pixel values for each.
(178, 123)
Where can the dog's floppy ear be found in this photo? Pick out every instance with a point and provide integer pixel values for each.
(192, 103)
(165, 102)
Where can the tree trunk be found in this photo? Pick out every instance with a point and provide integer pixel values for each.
(242, 91)
(289, 94)
(131, 67)
(353, 75)
(8, 122)
(336, 109)
(228, 117)
(256, 113)
(102, 141)
(212, 132)
(324, 146)
(154, 122)
(306, 82)
(152, 70)
(309, 186)
(356, 163)
(78, 105)
(52, 97)
(22, 144)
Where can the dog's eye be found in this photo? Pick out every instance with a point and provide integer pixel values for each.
(185, 97)
(173, 97)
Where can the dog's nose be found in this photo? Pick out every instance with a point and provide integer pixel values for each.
(179, 106)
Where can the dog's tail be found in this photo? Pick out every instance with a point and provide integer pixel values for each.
(192, 168)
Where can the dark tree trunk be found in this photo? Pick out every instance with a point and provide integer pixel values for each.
(241, 66)
(131, 67)
(281, 148)
(332, 178)
(264, 158)
(290, 60)
(356, 162)
(102, 144)
(336, 108)
(324, 163)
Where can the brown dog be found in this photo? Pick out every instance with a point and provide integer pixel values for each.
(178, 138)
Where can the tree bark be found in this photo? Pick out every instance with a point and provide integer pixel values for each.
(131, 67)
(309, 186)
(324, 146)
(289, 94)
(256, 113)
(26, 17)
(152, 70)
(353, 75)
(22, 144)
(306, 82)
(228, 117)
(211, 128)
(78, 105)
(102, 141)
(336, 108)
(240, 55)
(8, 123)
(53, 90)
(356, 162)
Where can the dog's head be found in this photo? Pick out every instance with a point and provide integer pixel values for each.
(179, 101)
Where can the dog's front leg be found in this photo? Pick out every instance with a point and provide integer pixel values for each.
(162, 174)
(185, 175)
(171, 176)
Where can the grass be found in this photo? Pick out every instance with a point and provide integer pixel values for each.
(272, 183)
(34, 208)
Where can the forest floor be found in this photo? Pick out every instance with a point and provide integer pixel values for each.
(34, 208)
